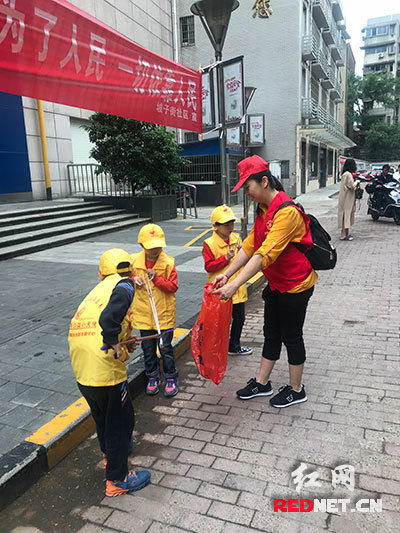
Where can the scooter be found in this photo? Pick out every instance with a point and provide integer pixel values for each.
(384, 200)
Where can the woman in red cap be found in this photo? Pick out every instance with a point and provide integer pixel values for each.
(290, 276)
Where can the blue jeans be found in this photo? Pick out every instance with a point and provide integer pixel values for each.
(151, 362)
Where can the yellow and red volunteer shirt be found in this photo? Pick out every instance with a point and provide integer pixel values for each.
(288, 226)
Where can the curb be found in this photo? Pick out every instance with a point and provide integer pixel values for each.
(26, 463)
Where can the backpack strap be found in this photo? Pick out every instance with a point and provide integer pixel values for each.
(300, 247)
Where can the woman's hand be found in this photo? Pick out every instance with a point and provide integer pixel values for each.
(151, 273)
(220, 281)
(227, 291)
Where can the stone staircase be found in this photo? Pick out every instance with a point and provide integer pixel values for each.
(33, 229)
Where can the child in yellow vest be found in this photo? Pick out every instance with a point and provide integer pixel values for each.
(105, 318)
(160, 270)
(218, 251)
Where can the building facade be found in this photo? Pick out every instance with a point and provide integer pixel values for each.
(296, 60)
(381, 38)
(148, 23)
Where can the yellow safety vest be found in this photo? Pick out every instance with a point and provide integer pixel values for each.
(165, 301)
(93, 367)
(219, 248)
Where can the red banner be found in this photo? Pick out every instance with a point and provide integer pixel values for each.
(51, 50)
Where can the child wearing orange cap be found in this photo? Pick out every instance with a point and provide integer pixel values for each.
(155, 267)
(218, 251)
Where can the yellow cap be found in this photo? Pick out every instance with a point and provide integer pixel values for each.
(222, 214)
(151, 236)
(110, 260)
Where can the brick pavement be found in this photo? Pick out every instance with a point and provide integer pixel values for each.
(218, 462)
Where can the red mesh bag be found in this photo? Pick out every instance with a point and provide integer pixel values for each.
(210, 335)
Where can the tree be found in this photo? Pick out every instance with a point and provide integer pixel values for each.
(134, 152)
(378, 88)
(354, 98)
(382, 141)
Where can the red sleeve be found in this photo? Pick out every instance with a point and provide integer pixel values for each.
(210, 263)
(167, 285)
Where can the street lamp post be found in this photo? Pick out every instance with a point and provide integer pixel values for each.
(215, 16)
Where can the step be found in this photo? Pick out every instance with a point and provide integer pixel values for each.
(10, 240)
(42, 223)
(48, 209)
(52, 242)
(23, 217)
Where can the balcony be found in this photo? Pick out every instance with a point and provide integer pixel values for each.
(310, 47)
(337, 10)
(330, 34)
(336, 92)
(321, 13)
(329, 81)
(320, 66)
(338, 54)
(316, 114)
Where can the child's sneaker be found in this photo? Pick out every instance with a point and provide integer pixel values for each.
(171, 387)
(133, 481)
(243, 350)
(153, 386)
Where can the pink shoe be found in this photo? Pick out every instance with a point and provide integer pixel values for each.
(171, 387)
(153, 386)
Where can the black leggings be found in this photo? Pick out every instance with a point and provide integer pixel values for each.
(284, 315)
(112, 410)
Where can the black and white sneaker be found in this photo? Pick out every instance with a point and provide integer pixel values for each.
(288, 396)
(253, 389)
(243, 350)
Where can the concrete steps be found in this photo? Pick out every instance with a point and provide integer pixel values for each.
(32, 230)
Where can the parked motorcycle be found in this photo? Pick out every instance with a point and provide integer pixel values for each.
(384, 199)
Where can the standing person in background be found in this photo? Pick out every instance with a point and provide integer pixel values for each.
(396, 175)
(218, 252)
(290, 276)
(347, 199)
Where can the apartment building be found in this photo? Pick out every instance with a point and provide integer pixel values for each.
(381, 38)
(296, 60)
(148, 23)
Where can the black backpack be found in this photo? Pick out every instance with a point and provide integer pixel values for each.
(322, 255)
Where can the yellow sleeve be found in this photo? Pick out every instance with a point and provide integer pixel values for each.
(287, 226)
(248, 243)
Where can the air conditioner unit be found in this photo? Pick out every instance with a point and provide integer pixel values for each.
(381, 56)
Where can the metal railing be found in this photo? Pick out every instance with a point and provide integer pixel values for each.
(310, 47)
(316, 113)
(85, 180)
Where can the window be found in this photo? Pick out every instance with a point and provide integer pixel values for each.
(392, 29)
(187, 30)
(375, 50)
(381, 30)
(191, 136)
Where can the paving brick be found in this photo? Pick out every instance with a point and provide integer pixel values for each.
(207, 474)
(215, 492)
(125, 522)
(244, 444)
(244, 483)
(194, 503)
(206, 436)
(158, 527)
(383, 486)
(221, 451)
(97, 514)
(187, 444)
(185, 484)
(233, 467)
(180, 431)
(231, 513)
(193, 458)
(171, 467)
(202, 424)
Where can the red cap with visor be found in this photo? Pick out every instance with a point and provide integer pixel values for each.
(249, 166)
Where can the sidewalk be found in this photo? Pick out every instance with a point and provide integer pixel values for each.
(218, 462)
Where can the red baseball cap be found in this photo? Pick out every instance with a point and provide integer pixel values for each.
(249, 166)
